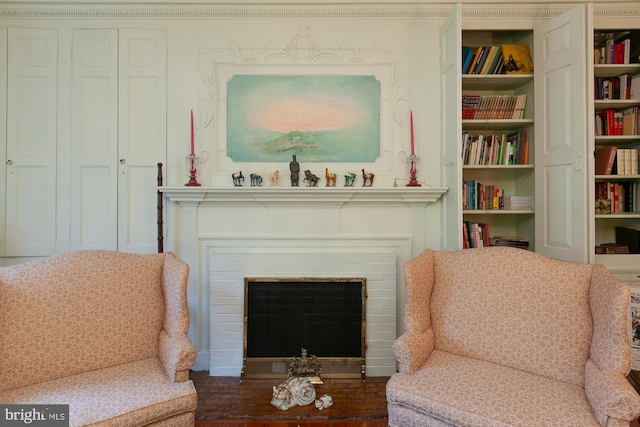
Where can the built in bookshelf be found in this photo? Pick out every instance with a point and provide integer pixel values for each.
(616, 102)
(497, 132)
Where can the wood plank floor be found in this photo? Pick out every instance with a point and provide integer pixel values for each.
(224, 402)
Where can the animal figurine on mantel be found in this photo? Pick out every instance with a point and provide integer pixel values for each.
(256, 180)
(368, 177)
(295, 391)
(349, 179)
(273, 178)
(238, 179)
(331, 178)
(311, 179)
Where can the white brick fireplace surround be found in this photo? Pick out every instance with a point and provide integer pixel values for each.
(227, 234)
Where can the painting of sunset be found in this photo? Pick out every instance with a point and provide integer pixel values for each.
(318, 118)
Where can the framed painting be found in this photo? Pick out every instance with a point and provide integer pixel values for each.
(322, 118)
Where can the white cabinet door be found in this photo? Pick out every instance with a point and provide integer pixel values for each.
(142, 136)
(118, 138)
(3, 138)
(32, 81)
(94, 140)
(451, 105)
(560, 59)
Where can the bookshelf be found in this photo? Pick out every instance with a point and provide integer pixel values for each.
(511, 179)
(559, 174)
(603, 225)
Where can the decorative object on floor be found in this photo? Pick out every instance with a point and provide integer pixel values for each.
(193, 167)
(273, 178)
(479, 377)
(311, 179)
(256, 180)
(331, 178)
(295, 391)
(324, 402)
(294, 167)
(305, 365)
(368, 177)
(349, 179)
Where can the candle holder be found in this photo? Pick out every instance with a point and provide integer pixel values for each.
(192, 164)
(413, 163)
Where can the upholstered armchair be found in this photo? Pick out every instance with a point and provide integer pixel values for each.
(506, 337)
(103, 332)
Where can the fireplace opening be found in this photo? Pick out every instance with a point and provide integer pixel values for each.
(324, 316)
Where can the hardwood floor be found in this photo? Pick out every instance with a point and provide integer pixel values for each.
(224, 402)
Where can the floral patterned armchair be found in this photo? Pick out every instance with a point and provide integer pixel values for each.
(506, 337)
(103, 332)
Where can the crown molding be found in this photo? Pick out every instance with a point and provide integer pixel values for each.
(389, 9)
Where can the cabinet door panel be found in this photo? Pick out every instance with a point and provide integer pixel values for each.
(142, 136)
(94, 153)
(32, 56)
(3, 137)
(451, 98)
(560, 58)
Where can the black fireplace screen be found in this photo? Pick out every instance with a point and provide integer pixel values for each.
(324, 316)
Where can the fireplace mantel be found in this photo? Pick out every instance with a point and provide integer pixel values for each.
(295, 232)
(324, 196)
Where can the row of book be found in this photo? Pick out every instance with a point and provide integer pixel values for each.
(476, 235)
(502, 59)
(625, 86)
(612, 249)
(491, 107)
(507, 149)
(616, 197)
(621, 47)
(612, 122)
(477, 196)
(616, 161)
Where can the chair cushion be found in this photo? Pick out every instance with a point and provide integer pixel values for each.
(136, 393)
(510, 307)
(85, 310)
(465, 391)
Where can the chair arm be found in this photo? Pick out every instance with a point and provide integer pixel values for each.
(177, 355)
(412, 349)
(610, 394)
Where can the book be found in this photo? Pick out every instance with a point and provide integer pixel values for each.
(475, 60)
(467, 57)
(605, 157)
(491, 56)
(627, 161)
(620, 162)
(484, 50)
(634, 161)
(517, 59)
(629, 121)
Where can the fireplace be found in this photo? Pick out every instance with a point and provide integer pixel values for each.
(323, 316)
(229, 234)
